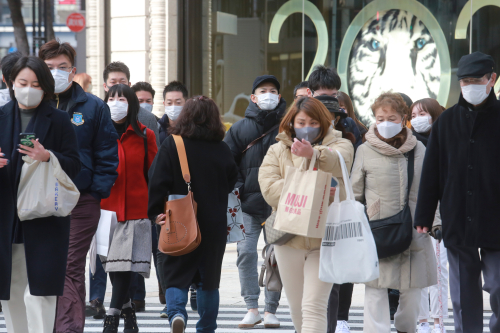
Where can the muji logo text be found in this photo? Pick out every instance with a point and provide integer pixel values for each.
(294, 203)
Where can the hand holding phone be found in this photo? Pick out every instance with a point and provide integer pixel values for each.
(25, 139)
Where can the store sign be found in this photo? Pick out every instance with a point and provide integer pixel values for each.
(75, 22)
(390, 45)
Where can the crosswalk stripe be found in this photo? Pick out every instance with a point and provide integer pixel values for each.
(229, 318)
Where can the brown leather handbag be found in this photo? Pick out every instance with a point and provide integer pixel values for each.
(181, 233)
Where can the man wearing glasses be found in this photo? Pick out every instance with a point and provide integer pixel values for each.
(301, 90)
(97, 143)
(460, 172)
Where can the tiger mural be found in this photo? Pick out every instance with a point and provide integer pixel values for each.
(395, 52)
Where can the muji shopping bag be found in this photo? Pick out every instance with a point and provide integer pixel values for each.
(303, 204)
(348, 252)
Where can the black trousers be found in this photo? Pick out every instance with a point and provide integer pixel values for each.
(121, 284)
(333, 308)
(466, 289)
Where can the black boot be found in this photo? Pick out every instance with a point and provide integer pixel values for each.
(130, 321)
(111, 324)
(192, 299)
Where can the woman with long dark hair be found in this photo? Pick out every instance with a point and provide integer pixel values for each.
(130, 249)
(34, 252)
(213, 175)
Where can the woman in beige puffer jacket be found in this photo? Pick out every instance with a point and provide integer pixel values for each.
(298, 259)
(380, 179)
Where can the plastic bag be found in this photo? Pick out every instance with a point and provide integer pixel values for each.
(348, 252)
(235, 226)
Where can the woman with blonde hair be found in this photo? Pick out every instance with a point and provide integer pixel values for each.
(84, 80)
(306, 128)
(381, 181)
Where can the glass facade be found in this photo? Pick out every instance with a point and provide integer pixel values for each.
(406, 46)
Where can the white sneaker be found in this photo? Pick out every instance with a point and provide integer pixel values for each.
(250, 320)
(423, 328)
(437, 329)
(271, 321)
(342, 327)
(178, 325)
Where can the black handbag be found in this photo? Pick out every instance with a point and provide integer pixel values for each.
(393, 234)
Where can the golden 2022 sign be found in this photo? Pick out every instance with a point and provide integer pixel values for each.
(390, 45)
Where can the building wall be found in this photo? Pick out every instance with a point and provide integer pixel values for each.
(143, 35)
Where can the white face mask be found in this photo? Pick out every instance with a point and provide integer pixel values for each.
(475, 93)
(173, 111)
(119, 110)
(268, 101)
(388, 129)
(61, 79)
(27, 96)
(146, 106)
(421, 124)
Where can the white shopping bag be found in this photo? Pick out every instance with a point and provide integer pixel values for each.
(235, 226)
(105, 231)
(348, 252)
(45, 190)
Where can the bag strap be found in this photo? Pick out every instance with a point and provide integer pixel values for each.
(251, 144)
(146, 155)
(181, 151)
(411, 168)
(347, 181)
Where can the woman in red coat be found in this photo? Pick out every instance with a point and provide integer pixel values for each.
(130, 249)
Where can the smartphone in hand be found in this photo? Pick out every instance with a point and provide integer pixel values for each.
(25, 139)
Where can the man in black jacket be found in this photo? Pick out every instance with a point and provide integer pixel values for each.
(98, 149)
(258, 129)
(461, 172)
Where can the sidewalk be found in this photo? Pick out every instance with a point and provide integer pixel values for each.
(230, 285)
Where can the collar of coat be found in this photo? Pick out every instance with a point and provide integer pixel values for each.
(491, 100)
(385, 149)
(266, 118)
(331, 137)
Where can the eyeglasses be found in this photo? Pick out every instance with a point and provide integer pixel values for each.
(478, 80)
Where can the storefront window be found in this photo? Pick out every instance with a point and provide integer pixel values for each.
(405, 46)
(61, 8)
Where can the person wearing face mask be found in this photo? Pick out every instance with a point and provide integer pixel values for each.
(146, 94)
(6, 64)
(460, 173)
(249, 139)
(305, 129)
(33, 252)
(175, 95)
(130, 249)
(382, 182)
(423, 113)
(98, 149)
(117, 72)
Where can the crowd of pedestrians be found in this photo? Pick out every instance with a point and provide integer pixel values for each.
(418, 162)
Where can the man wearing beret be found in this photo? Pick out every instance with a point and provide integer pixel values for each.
(461, 171)
(249, 139)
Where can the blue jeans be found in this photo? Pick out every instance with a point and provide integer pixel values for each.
(97, 289)
(208, 307)
(247, 263)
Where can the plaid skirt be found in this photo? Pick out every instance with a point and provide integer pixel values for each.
(130, 249)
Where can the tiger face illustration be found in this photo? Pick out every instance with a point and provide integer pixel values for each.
(395, 52)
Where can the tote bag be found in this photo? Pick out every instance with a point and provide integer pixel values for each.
(103, 237)
(235, 226)
(348, 252)
(303, 204)
(45, 190)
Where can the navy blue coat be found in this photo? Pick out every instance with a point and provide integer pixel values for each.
(96, 143)
(46, 240)
(460, 171)
(239, 136)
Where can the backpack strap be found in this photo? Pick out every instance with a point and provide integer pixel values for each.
(251, 144)
(146, 169)
(181, 151)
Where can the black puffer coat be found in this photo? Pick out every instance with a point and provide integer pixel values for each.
(239, 136)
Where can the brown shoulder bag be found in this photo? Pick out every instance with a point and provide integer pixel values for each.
(181, 233)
